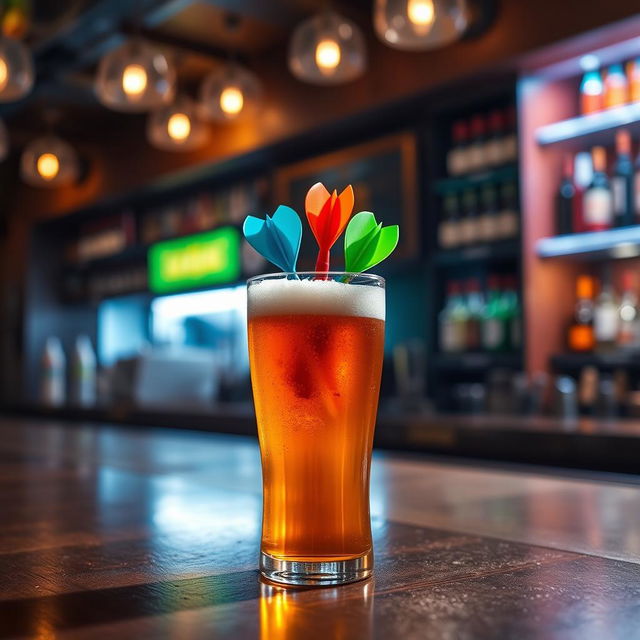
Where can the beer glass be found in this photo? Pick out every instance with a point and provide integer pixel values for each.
(315, 349)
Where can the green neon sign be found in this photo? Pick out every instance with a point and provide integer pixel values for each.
(195, 261)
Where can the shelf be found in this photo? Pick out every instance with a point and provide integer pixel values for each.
(491, 252)
(135, 253)
(500, 174)
(590, 125)
(623, 242)
(476, 362)
(573, 362)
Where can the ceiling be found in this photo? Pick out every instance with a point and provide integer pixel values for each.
(69, 37)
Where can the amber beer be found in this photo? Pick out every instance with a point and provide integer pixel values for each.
(316, 348)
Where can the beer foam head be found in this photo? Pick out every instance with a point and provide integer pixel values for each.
(272, 297)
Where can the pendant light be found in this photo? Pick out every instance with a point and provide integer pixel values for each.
(16, 70)
(177, 127)
(49, 162)
(420, 24)
(327, 49)
(135, 77)
(230, 93)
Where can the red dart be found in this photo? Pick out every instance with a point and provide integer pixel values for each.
(328, 215)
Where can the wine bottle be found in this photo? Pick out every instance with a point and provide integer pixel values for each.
(622, 181)
(565, 198)
(598, 200)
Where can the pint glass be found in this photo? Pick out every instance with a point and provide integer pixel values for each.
(316, 349)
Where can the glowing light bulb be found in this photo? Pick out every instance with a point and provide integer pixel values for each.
(231, 101)
(134, 80)
(179, 126)
(421, 12)
(4, 73)
(48, 166)
(328, 55)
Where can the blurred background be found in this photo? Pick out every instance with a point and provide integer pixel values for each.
(502, 136)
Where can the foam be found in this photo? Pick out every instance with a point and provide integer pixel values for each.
(326, 297)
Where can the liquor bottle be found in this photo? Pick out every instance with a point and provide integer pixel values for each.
(628, 318)
(449, 228)
(605, 318)
(581, 336)
(53, 390)
(615, 87)
(476, 154)
(83, 369)
(469, 231)
(494, 147)
(457, 155)
(636, 188)
(513, 312)
(633, 79)
(591, 92)
(488, 218)
(582, 176)
(565, 198)
(452, 321)
(508, 216)
(494, 321)
(475, 309)
(510, 138)
(622, 181)
(597, 207)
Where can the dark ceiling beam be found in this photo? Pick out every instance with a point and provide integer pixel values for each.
(182, 44)
(278, 13)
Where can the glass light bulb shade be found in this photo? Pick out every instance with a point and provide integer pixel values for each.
(16, 70)
(4, 141)
(327, 49)
(177, 127)
(135, 77)
(416, 25)
(230, 93)
(49, 162)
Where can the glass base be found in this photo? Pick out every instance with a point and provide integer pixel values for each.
(318, 574)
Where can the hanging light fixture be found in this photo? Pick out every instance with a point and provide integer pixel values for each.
(49, 162)
(229, 93)
(4, 141)
(135, 77)
(327, 49)
(177, 127)
(16, 70)
(420, 24)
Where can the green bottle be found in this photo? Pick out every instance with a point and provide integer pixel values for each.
(495, 330)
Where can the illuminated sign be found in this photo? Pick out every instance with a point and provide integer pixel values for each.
(195, 261)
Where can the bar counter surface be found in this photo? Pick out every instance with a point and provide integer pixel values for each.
(111, 532)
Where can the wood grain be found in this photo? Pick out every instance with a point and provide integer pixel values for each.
(116, 533)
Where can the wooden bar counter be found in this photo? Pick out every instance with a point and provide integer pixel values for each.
(113, 532)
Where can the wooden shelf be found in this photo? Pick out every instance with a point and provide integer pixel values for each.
(623, 242)
(491, 252)
(602, 122)
(573, 362)
(132, 254)
(473, 180)
(477, 362)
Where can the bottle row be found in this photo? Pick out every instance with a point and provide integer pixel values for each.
(484, 141)
(81, 373)
(603, 89)
(473, 320)
(114, 233)
(596, 194)
(606, 321)
(486, 214)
